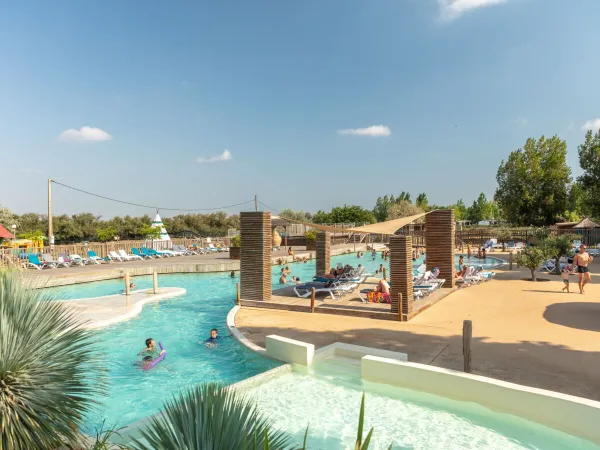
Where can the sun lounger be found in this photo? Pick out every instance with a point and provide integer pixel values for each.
(76, 259)
(548, 266)
(147, 254)
(125, 257)
(94, 258)
(155, 253)
(212, 248)
(332, 289)
(136, 252)
(48, 259)
(66, 258)
(114, 256)
(33, 262)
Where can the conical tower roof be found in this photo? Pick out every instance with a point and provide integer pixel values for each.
(157, 223)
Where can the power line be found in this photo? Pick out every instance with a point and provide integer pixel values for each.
(148, 206)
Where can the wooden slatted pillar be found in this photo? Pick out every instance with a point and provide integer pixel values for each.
(323, 252)
(401, 275)
(255, 256)
(439, 237)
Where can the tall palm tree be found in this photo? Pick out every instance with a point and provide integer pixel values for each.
(48, 371)
(210, 417)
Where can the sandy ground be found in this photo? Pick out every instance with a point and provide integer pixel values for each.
(524, 332)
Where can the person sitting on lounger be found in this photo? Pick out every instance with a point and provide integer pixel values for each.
(290, 251)
(383, 287)
(461, 273)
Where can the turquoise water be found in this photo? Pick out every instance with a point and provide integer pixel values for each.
(181, 324)
(327, 398)
(305, 271)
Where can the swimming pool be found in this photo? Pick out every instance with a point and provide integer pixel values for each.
(305, 271)
(181, 324)
(327, 397)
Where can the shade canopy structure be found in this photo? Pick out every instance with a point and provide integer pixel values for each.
(157, 223)
(5, 234)
(389, 227)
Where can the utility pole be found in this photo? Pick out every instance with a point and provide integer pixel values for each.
(255, 203)
(50, 228)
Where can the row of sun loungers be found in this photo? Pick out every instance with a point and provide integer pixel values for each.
(46, 261)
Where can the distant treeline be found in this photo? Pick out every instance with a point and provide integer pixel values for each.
(90, 227)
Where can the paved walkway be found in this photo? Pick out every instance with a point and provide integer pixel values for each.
(532, 334)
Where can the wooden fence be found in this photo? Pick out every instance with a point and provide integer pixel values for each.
(9, 257)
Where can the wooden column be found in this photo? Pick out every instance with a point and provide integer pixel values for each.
(323, 252)
(255, 257)
(439, 236)
(401, 274)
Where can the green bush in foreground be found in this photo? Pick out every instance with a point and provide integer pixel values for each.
(212, 417)
(47, 372)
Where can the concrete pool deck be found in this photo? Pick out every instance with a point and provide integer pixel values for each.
(531, 334)
(211, 262)
(99, 312)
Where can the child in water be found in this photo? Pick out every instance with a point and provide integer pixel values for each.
(150, 352)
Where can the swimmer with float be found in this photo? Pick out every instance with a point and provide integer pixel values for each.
(151, 355)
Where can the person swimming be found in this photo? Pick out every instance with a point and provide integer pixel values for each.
(150, 353)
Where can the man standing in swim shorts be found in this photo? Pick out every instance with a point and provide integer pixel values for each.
(582, 260)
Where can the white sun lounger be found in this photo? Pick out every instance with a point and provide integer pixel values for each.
(333, 289)
(127, 257)
(113, 255)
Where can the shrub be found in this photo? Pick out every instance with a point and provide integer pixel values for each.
(311, 235)
(236, 241)
(48, 370)
(532, 257)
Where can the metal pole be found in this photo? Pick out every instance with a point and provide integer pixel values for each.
(312, 300)
(50, 227)
(255, 203)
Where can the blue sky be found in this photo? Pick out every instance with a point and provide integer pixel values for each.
(317, 103)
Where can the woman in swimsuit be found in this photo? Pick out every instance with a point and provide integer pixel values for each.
(582, 260)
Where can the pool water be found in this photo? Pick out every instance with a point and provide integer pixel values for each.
(327, 398)
(305, 271)
(182, 324)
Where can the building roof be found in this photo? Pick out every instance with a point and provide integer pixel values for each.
(584, 223)
(4, 233)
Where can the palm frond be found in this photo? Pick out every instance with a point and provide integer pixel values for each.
(210, 417)
(48, 369)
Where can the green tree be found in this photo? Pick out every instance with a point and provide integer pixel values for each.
(106, 234)
(532, 258)
(460, 210)
(503, 235)
(480, 210)
(300, 216)
(533, 183)
(345, 214)
(49, 374)
(7, 218)
(587, 194)
(422, 201)
(403, 197)
(380, 211)
(404, 209)
(558, 246)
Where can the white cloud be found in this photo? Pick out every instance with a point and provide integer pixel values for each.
(225, 156)
(372, 131)
(593, 125)
(84, 134)
(452, 9)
